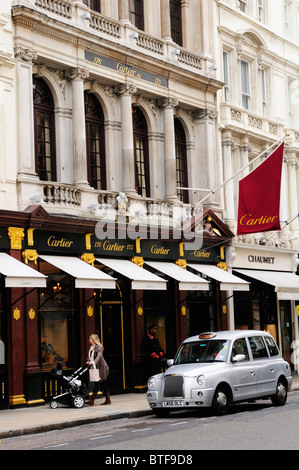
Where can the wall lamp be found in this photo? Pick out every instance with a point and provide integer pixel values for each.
(86, 15)
(134, 35)
(176, 52)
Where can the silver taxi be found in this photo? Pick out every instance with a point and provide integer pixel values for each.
(217, 369)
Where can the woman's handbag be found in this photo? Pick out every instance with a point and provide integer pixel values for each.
(94, 375)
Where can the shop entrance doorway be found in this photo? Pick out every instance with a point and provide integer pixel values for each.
(110, 325)
(286, 331)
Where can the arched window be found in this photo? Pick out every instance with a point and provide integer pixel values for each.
(44, 131)
(95, 142)
(181, 160)
(176, 21)
(136, 13)
(142, 179)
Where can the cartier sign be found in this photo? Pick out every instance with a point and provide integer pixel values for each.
(125, 69)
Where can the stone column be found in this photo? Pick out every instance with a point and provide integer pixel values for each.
(77, 76)
(165, 20)
(292, 180)
(185, 5)
(123, 11)
(245, 149)
(206, 146)
(168, 105)
(26, 151)
(227, 145)
(127, 144)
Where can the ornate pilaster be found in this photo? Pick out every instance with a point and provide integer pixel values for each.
(25, 140)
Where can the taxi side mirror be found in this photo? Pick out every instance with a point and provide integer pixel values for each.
(169, 362)
(239, 358)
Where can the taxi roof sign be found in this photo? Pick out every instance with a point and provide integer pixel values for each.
(207, 335)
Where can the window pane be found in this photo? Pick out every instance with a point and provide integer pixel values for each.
(142, 176)
(137, 13)
(93, 5)
(258, 347)
(176, 21)
(56, 318)
(44, 131)
(181, 161)
(240, 347)
(95, 141)
(273, 350)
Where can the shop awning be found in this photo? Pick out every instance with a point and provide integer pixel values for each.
(140, 277)
(17, 274)
(86, 276)
(187, 280)
(286, 284)
(227, 280)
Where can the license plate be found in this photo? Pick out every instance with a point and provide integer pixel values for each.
(173, 403)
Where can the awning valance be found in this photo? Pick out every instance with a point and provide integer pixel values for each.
(227, 280)
(86, 276)
(187, 280)
(141, 278)
(286, 284)
(17, 274)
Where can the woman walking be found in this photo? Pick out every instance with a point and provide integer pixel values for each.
(97, 361)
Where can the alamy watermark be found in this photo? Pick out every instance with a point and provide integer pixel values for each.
(157, 221)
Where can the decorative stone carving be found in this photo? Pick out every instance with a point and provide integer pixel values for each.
(25, 54)
(77, 72)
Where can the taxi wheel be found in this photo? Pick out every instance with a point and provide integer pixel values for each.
(280, 398)
(221, 401)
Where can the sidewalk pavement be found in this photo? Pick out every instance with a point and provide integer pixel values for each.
(22, 421)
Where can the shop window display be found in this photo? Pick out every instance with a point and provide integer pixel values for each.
(56, 313)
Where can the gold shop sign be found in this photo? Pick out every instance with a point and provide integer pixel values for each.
(125, 69)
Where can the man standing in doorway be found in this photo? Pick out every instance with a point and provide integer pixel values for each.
(153, 351)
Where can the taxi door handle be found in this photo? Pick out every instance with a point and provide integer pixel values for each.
(252, 372)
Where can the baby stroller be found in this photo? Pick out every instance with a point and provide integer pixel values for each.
(76, 391)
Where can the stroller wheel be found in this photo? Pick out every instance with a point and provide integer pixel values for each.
(53, 404)
(78, 401)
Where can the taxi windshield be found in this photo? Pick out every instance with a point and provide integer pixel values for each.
(212, 350)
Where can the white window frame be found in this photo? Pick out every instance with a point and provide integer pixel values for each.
(243, 5)
(261, 11)
(263, 82)
(290, 103)
(245, 90)
(226, 76)
(286, 18)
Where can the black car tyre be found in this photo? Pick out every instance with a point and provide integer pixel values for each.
(53, 404)
(280, 398)
(221, 401)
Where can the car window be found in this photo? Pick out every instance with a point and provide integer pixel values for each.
(240, 347)
(202, 351)
(273, 349)
(258, 347)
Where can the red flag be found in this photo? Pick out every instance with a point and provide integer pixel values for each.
(259, 196)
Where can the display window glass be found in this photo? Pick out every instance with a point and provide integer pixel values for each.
(56, 318)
